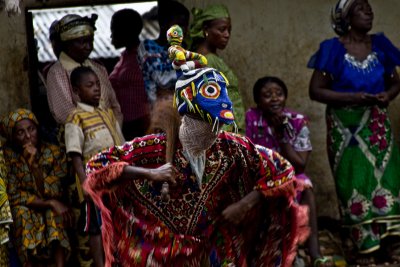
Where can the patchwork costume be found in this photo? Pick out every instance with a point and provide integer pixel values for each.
(140, 229)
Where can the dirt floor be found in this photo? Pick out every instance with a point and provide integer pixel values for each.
(334, 246)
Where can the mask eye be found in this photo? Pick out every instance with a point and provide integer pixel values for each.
(210, 90)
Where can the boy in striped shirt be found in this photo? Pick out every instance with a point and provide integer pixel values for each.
(89, 129)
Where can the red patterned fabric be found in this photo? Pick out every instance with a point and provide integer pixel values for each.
(139, 229)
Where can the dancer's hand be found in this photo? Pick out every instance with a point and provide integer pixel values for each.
(164, 173)
(235, 213)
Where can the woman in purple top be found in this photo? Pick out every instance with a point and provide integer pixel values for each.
(271, 125)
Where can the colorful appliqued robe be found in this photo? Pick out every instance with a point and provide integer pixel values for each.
(139, 229)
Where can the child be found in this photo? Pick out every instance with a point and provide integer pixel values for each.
(89, 129)
(271, 125)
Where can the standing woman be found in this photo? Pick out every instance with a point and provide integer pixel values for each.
(355, 76)
(210, 31)
(76, 35)
(34, 173)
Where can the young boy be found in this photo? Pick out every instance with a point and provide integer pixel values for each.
(89, 129)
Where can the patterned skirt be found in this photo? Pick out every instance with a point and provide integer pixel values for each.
(34, 232)
(5, 221)
(364, 161)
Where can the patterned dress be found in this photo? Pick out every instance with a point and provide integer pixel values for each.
(5, 214)
(34, 230)
(139, 229)
(363, 156)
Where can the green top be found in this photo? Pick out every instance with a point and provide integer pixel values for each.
(216, 62)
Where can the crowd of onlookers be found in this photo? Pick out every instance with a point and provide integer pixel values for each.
(48, 217)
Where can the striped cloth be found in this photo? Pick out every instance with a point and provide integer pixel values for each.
(89, 130)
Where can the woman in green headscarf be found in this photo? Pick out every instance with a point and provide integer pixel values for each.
(34, 173)
(210, 31)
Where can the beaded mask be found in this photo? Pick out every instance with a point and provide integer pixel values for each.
(202, 94)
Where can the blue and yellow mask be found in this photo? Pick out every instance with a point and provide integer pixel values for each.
(202, 94)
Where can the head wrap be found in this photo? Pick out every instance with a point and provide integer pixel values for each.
(211, 12)
(74, 26)
(8, 122)
(339, 15)
(202, 94)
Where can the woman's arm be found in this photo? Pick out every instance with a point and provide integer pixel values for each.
(297, 158)
(320, 90)
(393, 89)
(57, 206)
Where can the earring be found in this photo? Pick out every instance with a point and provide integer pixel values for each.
(206, 34)
(348, 28)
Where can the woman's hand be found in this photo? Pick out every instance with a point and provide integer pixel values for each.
(364, 99)
(29, 152)
(383, 99)
(277, 122)
(60, 209)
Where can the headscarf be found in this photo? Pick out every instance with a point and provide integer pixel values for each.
(212, 12)
(339, 16)
(74, 26)
(8, 122)
(202, 94)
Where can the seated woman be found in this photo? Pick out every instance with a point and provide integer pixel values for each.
(35, 170)
(5, 214)
(272, 125)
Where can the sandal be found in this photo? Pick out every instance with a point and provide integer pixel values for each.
(323, 262)
(365, 261)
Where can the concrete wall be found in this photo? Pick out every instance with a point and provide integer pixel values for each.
(274, 37)
(14, 90)
(277, 37)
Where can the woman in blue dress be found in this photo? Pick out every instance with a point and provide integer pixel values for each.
(355, 76)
